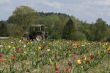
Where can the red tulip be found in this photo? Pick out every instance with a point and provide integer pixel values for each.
(69, 63)
(69, 49)
(75, 56)
(18, 50)
(88, 61)
(1, 55)
(91, 56)
(57, 69)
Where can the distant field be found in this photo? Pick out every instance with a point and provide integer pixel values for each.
(4, 38)
(17, 56)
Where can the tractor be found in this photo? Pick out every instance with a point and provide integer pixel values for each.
(37, 32)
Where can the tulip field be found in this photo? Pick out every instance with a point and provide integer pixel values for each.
(54, 56)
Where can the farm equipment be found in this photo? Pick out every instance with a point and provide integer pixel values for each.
(37, 32)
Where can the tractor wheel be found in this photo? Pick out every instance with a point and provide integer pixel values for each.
(39, 38)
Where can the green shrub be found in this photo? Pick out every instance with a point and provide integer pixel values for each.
(77, 35)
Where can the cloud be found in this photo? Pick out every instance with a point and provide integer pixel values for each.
(101, 2)
(88, 10)
(4, 1)
(56, 5)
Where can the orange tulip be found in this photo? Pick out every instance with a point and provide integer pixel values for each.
(68, 69)
(2, 60)
(13, 57)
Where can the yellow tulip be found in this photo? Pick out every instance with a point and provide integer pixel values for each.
(39, 48)
(108, 49)
(79, 61)
(48, 50)
(9, 46)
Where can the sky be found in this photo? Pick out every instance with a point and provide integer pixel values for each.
(86, 10)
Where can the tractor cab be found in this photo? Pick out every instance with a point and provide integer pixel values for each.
(37, 32)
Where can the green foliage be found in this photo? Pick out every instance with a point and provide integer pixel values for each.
(18, 56)
(78, 36)
(16, 32)
(55, 23)
(3, 29)
(58, 25)
(100, 30)
(23, 10)
(88, 30)
(23, 17)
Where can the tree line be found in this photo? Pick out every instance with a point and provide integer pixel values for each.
(60, 26)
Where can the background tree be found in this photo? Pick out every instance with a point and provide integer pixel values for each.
(15, 30)
(108, 34)
(23, 17)
(59, 25)
(88, 30)
(3, 29)
(55, 23)
(68, 29)
(101, 29)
